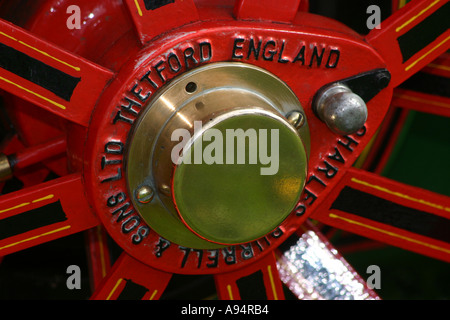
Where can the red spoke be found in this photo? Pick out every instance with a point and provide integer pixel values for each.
(412, 37)
(44, 212)
(423, 102)
(396, 4)
(257, 281)
(48, 76)
(312, 269)
(130, 279)
(392, 212)
(304, 5)
(377, 154)
(360, 246)
(28, 178)
(270, 10)
(98, 255)
(35, 154)
(152, 18)
(440, 66)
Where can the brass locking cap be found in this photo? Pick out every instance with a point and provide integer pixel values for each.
(223, 152)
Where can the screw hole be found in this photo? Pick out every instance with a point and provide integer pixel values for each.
(199, 105)
(191, 87)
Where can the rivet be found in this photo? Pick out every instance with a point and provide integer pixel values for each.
(296, 118)
(144, 194)
(165, 189)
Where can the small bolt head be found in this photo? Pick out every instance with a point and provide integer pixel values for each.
(296, 118)
(144, 194)
(343, 111)
(165, 189)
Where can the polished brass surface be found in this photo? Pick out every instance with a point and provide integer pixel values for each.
(233, 203)
(242, 204)
(5, 168)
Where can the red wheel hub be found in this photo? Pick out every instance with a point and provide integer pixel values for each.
(106, 99)
(304, 60)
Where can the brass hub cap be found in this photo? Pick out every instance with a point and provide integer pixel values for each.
(215, 158)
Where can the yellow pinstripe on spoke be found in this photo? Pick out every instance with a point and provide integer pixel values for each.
(15, 207)
(153, 294)
(50, 196)
(138, 7)
(427, 53)
(401, 195)
(8, 36)
(427, 101)
(439, 66)
(230, 293)
(50, 56)
(389, 233)
(41, 52)
(114, 289)
(272, 282)
(35, 237)
(34, 93)
(416, 16)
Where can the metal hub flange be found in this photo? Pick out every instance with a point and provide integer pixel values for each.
(216, 159)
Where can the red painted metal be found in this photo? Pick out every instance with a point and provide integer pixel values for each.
(385, 39)
(135, 53)
(429, 202)
(98, 255)
(227, 287)
(152, 19)
(29, 176)
(39, 153)
(103, 23)
(92, 78)
(387, 136)
(269, 10)
(423, 102)
(130, 272)
(211, 42)
(360, 246)
(440, 66)
(76, 216)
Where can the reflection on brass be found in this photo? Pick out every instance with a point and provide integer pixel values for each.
(208, 205)
(5, 168)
